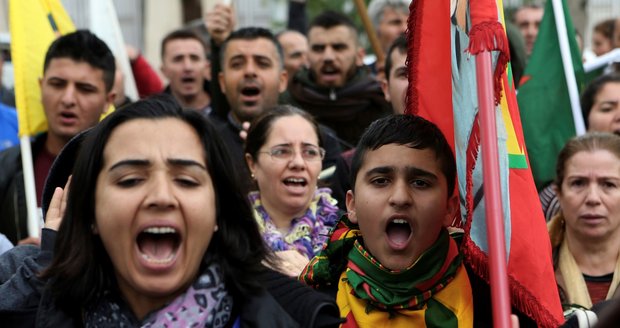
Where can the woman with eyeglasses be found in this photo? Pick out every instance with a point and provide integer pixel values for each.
(283, 153)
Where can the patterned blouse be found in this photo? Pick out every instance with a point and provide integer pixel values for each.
(307, 233)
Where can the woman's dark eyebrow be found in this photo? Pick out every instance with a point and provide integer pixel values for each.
(285, 144)
(185, 162)
(146, 163)
(130, 162)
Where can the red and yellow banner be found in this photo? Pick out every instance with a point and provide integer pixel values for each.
(442, 88)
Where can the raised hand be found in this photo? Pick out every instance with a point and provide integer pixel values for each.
(57, 207)
(220, 22)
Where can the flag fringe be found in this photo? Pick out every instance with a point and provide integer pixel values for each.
(487, 35)
(413, 55)
(521, 298)
(490, 36)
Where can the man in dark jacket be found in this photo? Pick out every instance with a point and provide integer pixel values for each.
(184, 63)
(76, 88)
(249, 66)
(337, 89)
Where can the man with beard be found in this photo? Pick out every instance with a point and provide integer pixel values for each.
(185, 65)
(251, 79)
(337, 89)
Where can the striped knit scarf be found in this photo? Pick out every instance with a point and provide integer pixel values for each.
(370, 294)
(308, 233)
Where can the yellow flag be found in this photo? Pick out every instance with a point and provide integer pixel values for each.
(34, 24)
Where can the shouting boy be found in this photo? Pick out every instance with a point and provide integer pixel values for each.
(391, 260)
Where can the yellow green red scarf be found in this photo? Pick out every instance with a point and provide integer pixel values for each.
(433, 292)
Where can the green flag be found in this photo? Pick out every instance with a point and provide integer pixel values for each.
(543, 97)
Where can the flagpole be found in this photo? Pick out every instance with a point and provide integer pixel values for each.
(569, 71)
(500, 295)
(370, 31)
(598, 62)
(30, 39)
(34, 220)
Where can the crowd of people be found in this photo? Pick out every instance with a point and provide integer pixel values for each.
(275, 181)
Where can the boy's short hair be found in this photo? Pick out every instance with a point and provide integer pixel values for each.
(409, 130)
(84, 46)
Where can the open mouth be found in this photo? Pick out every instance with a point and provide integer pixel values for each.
(398, 232)
(329, 70)
(68, 115)
(295, 182)
(158, 244)
(188, 79)
(250, 91)
(68, 118)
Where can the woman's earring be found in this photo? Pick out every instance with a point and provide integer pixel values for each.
(216, 228)
(253, 176)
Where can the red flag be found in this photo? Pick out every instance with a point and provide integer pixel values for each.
(442, 88)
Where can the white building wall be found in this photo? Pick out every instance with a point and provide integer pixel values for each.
(254, 12)
(160, 17)
(4, 15)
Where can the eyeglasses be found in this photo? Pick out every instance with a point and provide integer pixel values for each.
(286, 153)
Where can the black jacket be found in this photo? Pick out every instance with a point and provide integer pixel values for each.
(25, 299)
(27, 302)
(13, 212)
(348, 110)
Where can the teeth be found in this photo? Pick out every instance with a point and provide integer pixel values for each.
(160, 261)
(399, 221)
(160, 230)
(296, 180)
